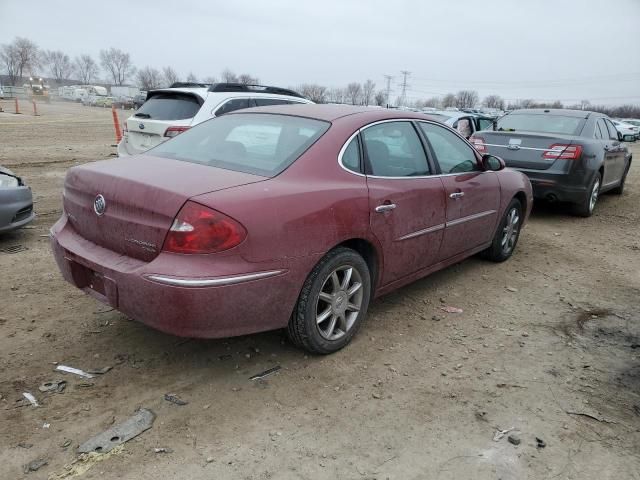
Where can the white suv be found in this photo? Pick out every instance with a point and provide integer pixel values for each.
(169, 111)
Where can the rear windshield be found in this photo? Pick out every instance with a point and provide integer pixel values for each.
(261, 144)
(169, 106)
(541, 123)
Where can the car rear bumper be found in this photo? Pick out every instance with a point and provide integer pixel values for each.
(16, 208)
(233, 297)
(557, 186)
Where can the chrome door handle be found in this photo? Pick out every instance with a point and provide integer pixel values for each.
(385, 207)
(456, 195)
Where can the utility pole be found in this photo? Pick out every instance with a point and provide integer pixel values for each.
(388, 78)
(404, 85)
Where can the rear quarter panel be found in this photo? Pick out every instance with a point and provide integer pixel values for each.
(513, 183)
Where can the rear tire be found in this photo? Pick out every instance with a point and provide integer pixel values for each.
(586, 207)
(332, 304)
(506, 237)
(619, 190)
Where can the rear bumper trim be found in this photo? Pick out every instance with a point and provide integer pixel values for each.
(212, 282)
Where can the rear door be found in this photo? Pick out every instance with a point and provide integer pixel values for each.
(472, 195)
(407, 203)
(162, 110)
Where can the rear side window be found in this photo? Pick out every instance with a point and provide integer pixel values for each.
(532, 122)
(485, 123)
(169, 106)
(232, 105)
(452, 153)
(598, 132)
(394, 150)
(261, 144)
(351, 156)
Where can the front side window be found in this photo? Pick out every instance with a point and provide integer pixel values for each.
(394, 150)
(613, 133)
(260, 144)
(452, 153)
(232, 105)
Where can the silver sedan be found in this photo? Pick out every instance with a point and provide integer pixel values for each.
(16, 202)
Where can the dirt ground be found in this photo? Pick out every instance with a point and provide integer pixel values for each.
(548, 344)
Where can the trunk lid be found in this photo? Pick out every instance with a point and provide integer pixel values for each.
(523, 149)
(142, 196)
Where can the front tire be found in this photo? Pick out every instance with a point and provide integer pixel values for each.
(507, 235)
(588, 204)
(332, 304)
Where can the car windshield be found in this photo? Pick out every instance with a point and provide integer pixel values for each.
(532, 122)
(169, 106)
(261, 144)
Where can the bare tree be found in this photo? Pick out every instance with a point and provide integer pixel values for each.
(584, 104)
(191, 78)
(336, 95)
(149, 78)
(466, 99)
(169, 76)
(247, 79)
(59, 64)
(368, 92)
(380, 98)
(494, 101)
(86, 68)
(228, 76)
(354, 93)
(314, 92)
(210, 79)
(118, 64)
(449, 100)
(18, 57)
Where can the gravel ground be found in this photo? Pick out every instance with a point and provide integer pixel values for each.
(548, 344)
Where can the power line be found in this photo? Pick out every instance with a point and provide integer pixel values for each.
(388, 78)
(405, 85)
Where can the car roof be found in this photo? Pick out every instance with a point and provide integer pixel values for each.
(204, 92)
(331, 113)
(565, 112)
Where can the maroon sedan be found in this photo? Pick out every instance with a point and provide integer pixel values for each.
(287, 216)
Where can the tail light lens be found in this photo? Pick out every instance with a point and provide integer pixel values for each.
(198, 229)
(174, 131)
(562, 151)
(478, 143)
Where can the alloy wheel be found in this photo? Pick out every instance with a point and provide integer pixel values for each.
(510, 230)
(339, 302)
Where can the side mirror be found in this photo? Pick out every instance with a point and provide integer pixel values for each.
(491, 163)
(628, 138)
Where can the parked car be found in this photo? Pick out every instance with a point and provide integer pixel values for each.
(569, 155)
(16, 202)
(631, 121)
(123, 102)
(289, 216)
(168, 112)
(139, 99)
(466, 123)
(627, 130)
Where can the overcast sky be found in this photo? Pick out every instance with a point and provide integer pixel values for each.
(541, 49)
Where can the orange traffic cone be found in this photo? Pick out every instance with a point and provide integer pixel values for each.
(116, 124)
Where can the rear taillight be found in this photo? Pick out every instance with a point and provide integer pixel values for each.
(561, 151)
(173, 131)
(198, 229)
(478, 143)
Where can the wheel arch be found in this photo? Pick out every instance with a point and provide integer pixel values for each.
(371, 255)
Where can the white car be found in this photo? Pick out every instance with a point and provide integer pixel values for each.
(170, 111)
(634, 122)
(626, 129)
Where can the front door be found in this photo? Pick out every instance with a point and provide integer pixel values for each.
(472, 195)
(614, 157)
(407, 205)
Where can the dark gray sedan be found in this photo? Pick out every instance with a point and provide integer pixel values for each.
(569, 155)
(16, 202)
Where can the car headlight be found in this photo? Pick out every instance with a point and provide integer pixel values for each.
(8, 181)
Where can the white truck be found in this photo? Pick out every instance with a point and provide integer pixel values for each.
(124, 91)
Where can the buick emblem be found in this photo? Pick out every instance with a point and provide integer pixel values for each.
(141, 126)
(99, 205)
